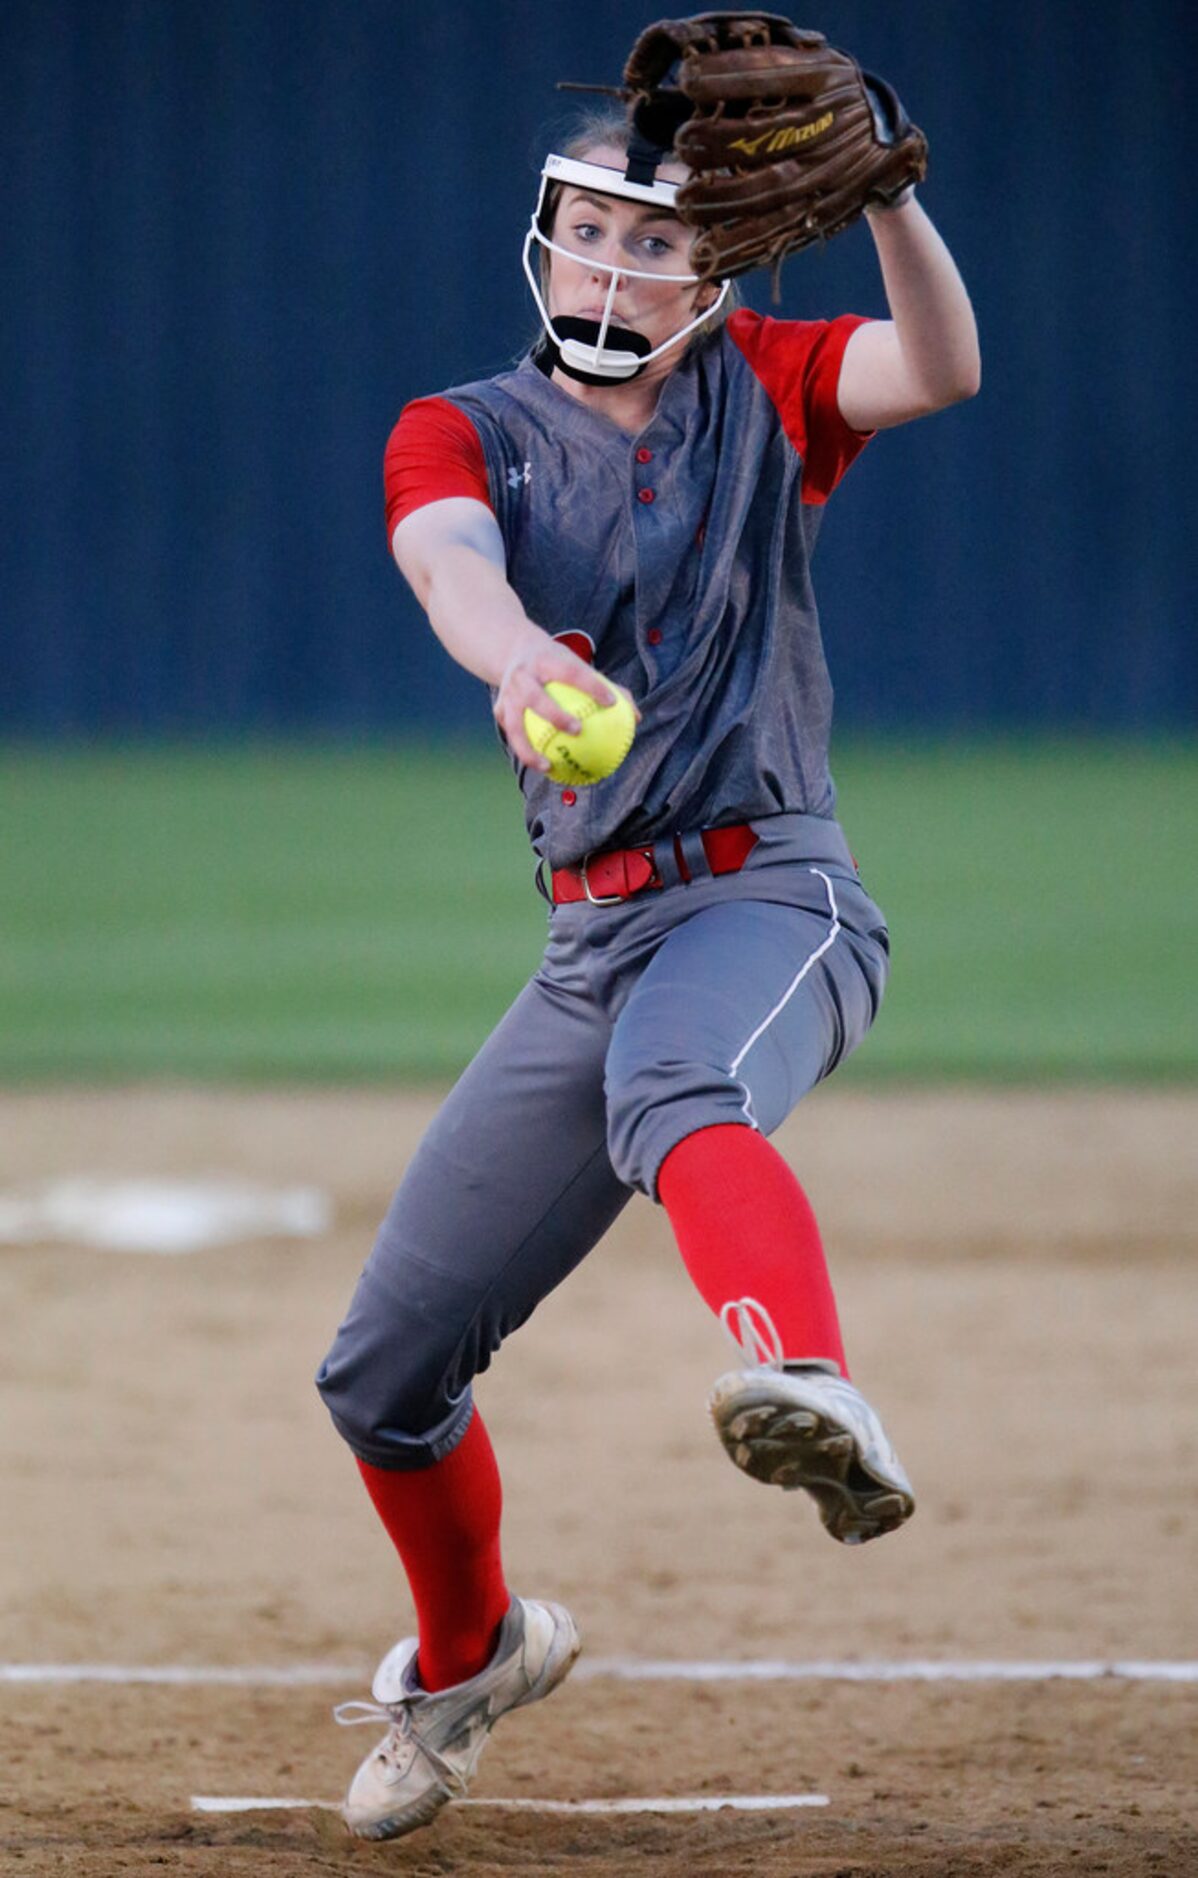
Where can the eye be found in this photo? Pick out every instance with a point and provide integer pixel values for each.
(587, 231)
(656, 246)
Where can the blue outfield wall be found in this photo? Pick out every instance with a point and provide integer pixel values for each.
(239, 234)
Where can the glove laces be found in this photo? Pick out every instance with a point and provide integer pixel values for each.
(752, 1333)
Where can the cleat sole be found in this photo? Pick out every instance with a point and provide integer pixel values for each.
(798, 1449)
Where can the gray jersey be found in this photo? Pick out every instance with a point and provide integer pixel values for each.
(683, 555)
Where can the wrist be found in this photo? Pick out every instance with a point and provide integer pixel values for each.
(524, 643)
(877, 209)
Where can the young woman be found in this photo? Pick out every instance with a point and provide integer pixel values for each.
(636, 502)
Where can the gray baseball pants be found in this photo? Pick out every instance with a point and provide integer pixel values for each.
(722, 1000)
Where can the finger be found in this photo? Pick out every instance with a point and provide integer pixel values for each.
(531, 759)
(546, 705)
(510, 719)
(584, 678)
(615, 692)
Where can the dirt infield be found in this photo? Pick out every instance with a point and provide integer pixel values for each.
(1017, 1282)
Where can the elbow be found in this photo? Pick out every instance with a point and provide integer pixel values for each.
(969, 382)
(957, 374)
(967, 377)
(962, 384)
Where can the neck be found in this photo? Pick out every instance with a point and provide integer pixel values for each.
(629, 406)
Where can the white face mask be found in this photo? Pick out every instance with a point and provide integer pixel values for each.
(581, 346)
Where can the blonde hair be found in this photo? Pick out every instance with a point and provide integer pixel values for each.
(606, 126)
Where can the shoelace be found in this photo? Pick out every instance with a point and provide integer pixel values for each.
(355, 1714)
(757, 1344)
(372, 1712)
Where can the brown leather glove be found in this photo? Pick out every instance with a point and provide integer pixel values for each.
(788, 140)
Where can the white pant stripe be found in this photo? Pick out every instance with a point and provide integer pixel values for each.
(788, 994)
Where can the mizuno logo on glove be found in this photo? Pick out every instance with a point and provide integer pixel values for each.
(784, 139)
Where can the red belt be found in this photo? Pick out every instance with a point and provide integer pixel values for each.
(618, 874)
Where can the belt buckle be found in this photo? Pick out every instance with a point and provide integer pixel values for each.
(606, 899)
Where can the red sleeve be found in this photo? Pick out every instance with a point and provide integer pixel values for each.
(434, 451)
(798, 363)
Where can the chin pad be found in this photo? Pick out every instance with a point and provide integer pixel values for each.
(586, 332)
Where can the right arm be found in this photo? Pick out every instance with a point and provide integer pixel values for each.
(452, 556)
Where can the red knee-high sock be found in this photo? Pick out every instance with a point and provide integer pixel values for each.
(745, 1229)
(444, 1523)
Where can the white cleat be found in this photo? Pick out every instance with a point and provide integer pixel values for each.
(431, 1748)
(801, 1424)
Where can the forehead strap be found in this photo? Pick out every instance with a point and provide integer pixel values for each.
(606, 181)
(643, 159)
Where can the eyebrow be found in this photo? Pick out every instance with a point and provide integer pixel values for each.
(648, 214)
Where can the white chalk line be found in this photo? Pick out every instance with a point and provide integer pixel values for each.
(620, 1668)
(697, 1803)
(632, 1669)
(191, 1675)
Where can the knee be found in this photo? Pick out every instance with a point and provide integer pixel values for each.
(391, 1385)
(654, 1102)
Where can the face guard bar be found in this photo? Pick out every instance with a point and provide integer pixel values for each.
(600, 361)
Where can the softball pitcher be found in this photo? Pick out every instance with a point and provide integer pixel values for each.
(637, 502)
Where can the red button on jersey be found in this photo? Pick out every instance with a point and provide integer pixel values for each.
(654, 635)
(569, 798)
(644, 456)
(644, 495)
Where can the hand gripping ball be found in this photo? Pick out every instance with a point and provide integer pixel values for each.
(591, 753)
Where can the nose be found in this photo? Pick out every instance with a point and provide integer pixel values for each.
(609, 259)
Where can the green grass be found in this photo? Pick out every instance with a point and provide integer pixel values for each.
(1043, 902)
(299, 912)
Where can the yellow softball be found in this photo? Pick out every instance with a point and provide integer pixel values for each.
(592, 752)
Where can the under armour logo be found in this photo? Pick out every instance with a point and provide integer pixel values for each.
(515, 477)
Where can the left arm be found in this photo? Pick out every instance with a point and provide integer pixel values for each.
(925, 356)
